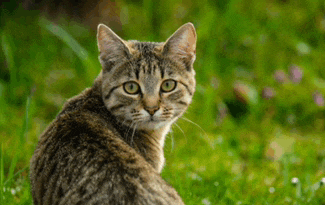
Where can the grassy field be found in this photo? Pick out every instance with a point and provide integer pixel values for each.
(255, 131)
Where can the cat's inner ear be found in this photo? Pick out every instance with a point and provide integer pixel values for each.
(112, 48)
(182, 43)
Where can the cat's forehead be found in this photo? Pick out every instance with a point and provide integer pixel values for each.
(146, 48)
(147, 68)
(148, 60)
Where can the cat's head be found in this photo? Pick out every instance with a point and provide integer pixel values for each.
(147, 85)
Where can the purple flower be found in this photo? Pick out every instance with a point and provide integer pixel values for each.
(222, 112)
(296, 73)
(268, 93)
(280, 76)
(214, 82)
(32, 90)
(318, 99)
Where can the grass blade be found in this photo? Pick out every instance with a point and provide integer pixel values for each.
(23, 135)
(1, 177)
(7, 50)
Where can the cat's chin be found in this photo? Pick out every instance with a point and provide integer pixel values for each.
(152, 125)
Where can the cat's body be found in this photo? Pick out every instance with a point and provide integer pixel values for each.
(106, 145)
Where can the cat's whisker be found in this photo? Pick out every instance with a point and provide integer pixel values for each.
(184, 118)
(180, 129)
(172, 140)
(135, 127)
(123, 122)
(139, 119)
(205, 135)
(127, 132)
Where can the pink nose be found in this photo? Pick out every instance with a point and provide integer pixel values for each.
(151, 110)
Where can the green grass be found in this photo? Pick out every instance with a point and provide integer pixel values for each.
(242, 149)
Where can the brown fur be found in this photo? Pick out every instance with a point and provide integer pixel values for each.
(88, 155)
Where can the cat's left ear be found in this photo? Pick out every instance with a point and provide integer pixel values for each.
(182, 43)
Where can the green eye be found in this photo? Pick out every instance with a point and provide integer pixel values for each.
(168, 85)
(131, 87)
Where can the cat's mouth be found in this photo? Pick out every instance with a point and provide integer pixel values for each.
(151, 123)
(152, 120)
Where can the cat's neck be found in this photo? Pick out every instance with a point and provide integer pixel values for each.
(151, 146)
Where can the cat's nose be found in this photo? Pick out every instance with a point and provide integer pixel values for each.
(151, 110)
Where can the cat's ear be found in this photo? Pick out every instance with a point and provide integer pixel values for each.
(182, 43)
(112, 48)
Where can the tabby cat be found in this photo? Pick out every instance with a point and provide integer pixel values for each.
(106, 145)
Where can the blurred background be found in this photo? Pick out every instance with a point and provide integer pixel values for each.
(254, 133)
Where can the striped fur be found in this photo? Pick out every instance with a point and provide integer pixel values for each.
(106, 145)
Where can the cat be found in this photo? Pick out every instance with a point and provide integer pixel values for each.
(106, 145)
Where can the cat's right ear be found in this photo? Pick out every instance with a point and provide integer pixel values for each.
(111, 47)
(182, 44)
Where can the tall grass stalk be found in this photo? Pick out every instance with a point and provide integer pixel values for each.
(88, 63)
(24, 131)
(1, 177)
(6, 45)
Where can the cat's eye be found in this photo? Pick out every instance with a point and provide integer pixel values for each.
(168, 85)
(131, 87)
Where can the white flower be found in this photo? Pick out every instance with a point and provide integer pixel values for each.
(295, 180)
(271, 190)
(13, 191)
(206, 201)
(322, 181)
(303, 48)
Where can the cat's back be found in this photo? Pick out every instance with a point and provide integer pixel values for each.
(81, 159)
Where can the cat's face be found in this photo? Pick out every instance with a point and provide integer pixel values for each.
(147, 85)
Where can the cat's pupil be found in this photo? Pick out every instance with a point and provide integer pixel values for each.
(131, 87)
(168, 85)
